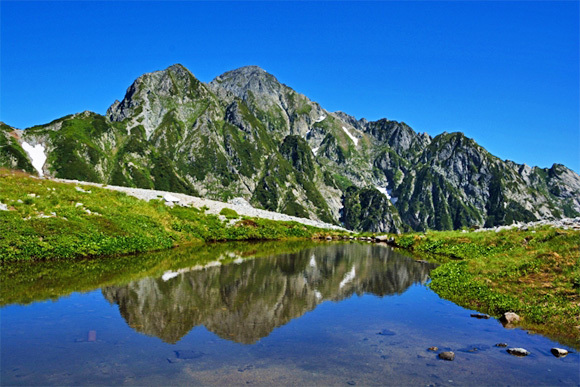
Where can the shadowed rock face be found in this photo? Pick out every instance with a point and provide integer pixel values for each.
(245, 301)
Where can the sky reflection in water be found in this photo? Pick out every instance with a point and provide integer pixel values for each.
(323, 314)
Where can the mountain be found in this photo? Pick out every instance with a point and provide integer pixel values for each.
(245, 134)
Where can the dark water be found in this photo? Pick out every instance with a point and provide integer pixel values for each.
(338, 314)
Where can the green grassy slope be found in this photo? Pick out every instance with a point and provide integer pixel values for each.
(50, 220)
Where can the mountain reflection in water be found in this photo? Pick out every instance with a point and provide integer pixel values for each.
(246, 300)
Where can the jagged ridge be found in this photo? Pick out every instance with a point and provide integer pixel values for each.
(246, 134)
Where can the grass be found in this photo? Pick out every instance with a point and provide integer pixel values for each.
(49, 220)
(535, 273)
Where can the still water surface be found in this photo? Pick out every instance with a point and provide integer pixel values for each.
(254, 314)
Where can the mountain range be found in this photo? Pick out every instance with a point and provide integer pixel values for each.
(245, 134)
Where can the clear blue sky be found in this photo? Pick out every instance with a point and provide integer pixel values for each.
(504, 73)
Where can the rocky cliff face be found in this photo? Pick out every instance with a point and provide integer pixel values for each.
(246, 134)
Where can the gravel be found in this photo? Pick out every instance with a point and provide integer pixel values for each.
(564, 223)
(240, 205)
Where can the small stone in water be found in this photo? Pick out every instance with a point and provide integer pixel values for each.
(386, 332)
(559, 352)
(518, 352)
(351, 383)
(447, 355)
(433, 349)
(480, 315)
(501, 345)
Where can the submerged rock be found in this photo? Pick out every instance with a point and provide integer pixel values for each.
(188, 354)
(521, 352)
(433, 349)
(386, 332)
(501, 345)
(448, 355)
(480, 316)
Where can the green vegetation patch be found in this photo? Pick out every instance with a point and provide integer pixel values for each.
(47, 220)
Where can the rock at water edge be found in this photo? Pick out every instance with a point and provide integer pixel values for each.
(509, 318)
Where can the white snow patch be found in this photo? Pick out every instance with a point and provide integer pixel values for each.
(169, 275)
(321, 118)
(313, 261)
(170, 198)
(315, 150)
(347, 278)
(36, 154)
(384, 191)
(318, 295)
(353, 138)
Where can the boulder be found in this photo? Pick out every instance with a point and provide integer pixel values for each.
(170, 198)
(447, 355)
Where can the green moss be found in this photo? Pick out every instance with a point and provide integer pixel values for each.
(229, 213)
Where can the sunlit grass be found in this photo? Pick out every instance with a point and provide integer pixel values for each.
(51, 220)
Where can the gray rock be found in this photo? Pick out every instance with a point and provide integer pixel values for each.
(447, 355)
(559, 352)
(521, 352)
(509, 318)
(3, 207)
(170, 198)
(240, 202)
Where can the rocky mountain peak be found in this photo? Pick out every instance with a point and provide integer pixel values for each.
(247, 82)
(155, 94)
